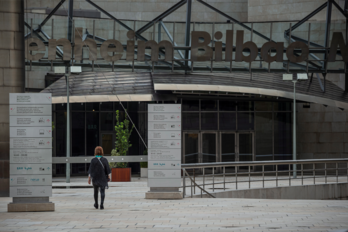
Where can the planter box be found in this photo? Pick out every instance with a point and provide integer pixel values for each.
(121, 175)
(143, 172)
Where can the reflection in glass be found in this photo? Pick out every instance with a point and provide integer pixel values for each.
(92, 134)
(264, 136)
(245, 148)
(209, 147)
(245, 121)
(228, 146)
(191, 148)
(190, 121)
(106, 121)
(134, 138)
(227, 121)
(190, 105)
(107, 143)
(209, 121)
(78, 134)
(225, 105)
(209, 105)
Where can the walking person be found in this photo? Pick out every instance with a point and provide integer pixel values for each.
(99, 173)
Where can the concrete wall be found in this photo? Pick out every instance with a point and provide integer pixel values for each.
(310, 192)
(11, 75)
(289, 10)
(148, 10)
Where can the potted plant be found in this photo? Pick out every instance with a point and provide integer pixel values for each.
(143, 167)
(119, 170)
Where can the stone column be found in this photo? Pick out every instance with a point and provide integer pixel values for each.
(12, 79)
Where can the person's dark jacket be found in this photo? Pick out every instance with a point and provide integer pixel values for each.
(97, 172)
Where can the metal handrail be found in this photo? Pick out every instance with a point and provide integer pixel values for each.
(278, 175)
(259, 163)
(197, 185)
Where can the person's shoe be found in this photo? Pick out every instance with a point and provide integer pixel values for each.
(101, 206)
(95, 205)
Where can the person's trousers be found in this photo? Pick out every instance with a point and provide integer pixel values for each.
(102, 194)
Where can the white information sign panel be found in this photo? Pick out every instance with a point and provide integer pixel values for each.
(30, 132)
(164, 143)
(152, 165)
(30, 145)
(164, 108)
(30, 180)
(164, 154)
(164, 117)
(30, 98)
(164, 174)
(33, 156)
(30, 110)
(30, 121)
(31, 191)
(164, 135)
(30, 169)
(164, 126)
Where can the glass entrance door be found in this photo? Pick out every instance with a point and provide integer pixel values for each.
(236, 146)
(191, 147)
(107, 143)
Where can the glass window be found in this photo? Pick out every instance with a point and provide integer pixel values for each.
(106, 106)
(133, 106)
(227, 121)
(106, 120)
(60, 169)
(78, 133)
(282, 106)
(264, 136)
(61, 106)
(94, 106)
(78, 169)
(209, 121)
(263, 106)
(225, 105)
(60, 134)
(282, 136)
(191, 148)
(245, 121)
(78, 106)
(143, 106)
(134, 138)
(209, 105)
(190, 121)
(119, 107)
(92, 135)
(245, 106)
(190, 105)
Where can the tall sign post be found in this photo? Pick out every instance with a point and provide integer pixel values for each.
(164, 151)
(30, 152)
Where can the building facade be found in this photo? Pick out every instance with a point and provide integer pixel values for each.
(232, 110)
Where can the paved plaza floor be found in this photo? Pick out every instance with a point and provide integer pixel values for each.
(127, 210)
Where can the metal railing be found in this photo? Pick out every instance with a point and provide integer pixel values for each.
(240, 175)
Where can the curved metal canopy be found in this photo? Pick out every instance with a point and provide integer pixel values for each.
(126, 86)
